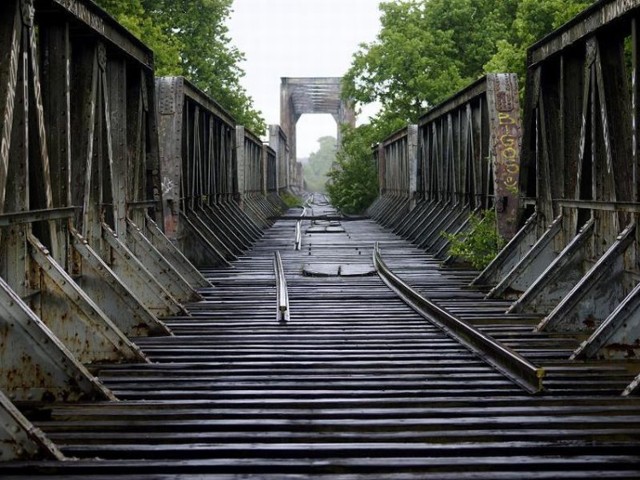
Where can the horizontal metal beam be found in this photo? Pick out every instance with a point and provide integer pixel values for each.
(476, 89)
(512, 365)
(579, 28)
(314, 80)
(193, 93)
(633, 207)
(142, 205)
(31, 216)
(98, 21)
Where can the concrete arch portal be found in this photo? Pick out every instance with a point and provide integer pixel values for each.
(312, 95)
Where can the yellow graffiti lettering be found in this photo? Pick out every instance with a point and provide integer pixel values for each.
(505, 119)
(510, 153)
(513, 168)
(510, 182)
(508, 140)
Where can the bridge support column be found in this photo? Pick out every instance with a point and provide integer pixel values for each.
(241, 166)
(412, 153)
(279, 142)
(299, 96)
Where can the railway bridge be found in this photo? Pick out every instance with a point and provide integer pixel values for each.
(164, 315)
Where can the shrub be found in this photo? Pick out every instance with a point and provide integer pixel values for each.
(480, 244)
(290, 200)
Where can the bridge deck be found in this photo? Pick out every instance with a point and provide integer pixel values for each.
(357, 385)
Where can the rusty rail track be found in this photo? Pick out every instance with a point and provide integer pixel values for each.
(356, 386)
(503, 359)
(282, 295)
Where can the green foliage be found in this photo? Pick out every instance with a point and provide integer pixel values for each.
(478, 245)
(353, 180)
(475, 27)
(533, 20)
(426, 51)
(189, 37)
(408, 67)
(166, 47)
(320, 162)
(429, 49)
(290, 200)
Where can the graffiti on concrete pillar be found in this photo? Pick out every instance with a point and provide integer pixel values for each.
(506, 134)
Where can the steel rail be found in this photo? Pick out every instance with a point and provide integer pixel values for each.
(326, 218)
(283, 314)
(298, 244)
(509, 363)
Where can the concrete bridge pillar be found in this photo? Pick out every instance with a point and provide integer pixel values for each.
(312, 95)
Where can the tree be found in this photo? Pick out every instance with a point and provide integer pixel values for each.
(189, 37)
(353, 183)
(353, 179)
(475, 26)
(131, 14)
(319, 164)
(429, 49)
(408, 67)
(533, 20)
(416, 61)
(425, 51)
(207, 55)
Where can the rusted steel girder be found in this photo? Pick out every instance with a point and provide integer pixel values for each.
(280, 144)
(250, 181)
(580, 167)
(214, 173)
(462, 157)
(35, 192)
(79, 179)
(19, 439)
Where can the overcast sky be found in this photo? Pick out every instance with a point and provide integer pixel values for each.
(299, 38)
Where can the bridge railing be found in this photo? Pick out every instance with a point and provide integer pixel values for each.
(90, 218)
(270, 175)
(463, 156)
(82, 267)
(576, 262)
(251, 158)
(279, 143)
(396, 159)
(213, 176)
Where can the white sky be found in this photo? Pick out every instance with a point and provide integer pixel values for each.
(299, 38)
